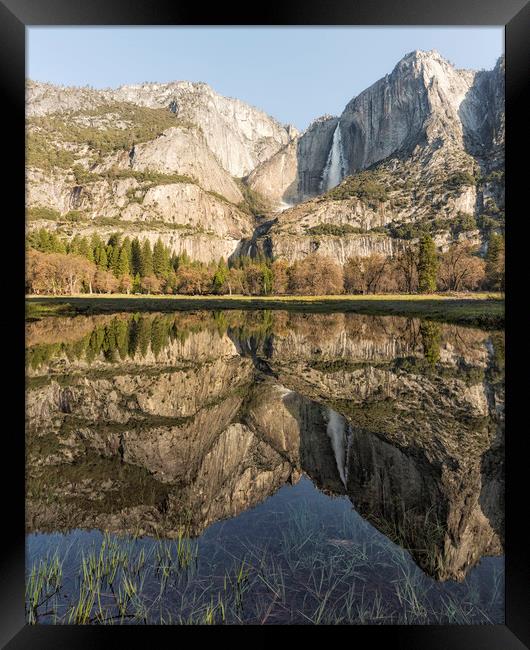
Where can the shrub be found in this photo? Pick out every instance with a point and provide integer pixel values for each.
(460, 179)
(333, 229)
(145, 124)
(365, 186)
(45, 155)
(463, 222)
(42, 212)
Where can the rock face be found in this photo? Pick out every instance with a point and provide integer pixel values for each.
(339, 248)
(424, 102)
(313, 151)
(423, 145)
(133, 421)
(239, 135)
(276, 178)
(422, 135)
(185, 152)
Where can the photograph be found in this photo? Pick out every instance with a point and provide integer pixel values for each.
(261, 378)
(264, 325)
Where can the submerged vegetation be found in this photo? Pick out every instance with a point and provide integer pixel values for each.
(304, 574)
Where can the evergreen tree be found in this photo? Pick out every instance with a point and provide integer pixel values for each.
(85, 249)
(42, 241)
(100, 257)
(136, 256)
(220, 276)
(137, 284)
(183, 259)
(127, 245)
(95, 244)
(146, 260)
(495, 262)
(74, 245)
(427, 265)
(57, 245)
(123, 263)
(114, 240)
(113, 255)
(160, 259)
(267, 279)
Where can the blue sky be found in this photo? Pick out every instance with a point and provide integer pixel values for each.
(293, 73)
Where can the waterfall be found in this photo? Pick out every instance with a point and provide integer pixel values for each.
(284, 205)
(337, 431)
(334, 168)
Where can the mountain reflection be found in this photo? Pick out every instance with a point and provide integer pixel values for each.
(135, 422)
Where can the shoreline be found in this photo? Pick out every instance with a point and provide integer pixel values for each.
(484, 310)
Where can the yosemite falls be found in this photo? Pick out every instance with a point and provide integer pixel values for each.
(337, 429)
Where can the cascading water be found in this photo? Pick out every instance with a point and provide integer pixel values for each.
(337, 430)
(334, 169)
(284, 205)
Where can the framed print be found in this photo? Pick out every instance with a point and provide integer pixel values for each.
(264, 322)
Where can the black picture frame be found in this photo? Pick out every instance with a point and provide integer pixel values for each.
(15, 15)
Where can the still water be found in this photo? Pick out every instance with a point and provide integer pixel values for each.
(263, 467)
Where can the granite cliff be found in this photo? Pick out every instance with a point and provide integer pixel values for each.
(423, 146)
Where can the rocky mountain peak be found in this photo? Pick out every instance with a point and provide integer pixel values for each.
(206, 165)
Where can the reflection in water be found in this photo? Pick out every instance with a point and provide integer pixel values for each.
(336, 430)
(141, 424)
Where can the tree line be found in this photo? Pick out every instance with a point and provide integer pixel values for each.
(125, 265)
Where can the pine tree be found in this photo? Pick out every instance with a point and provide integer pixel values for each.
(113, 254)
(220, 276)
(136, 256)
(100, 257)
(85, 249)
(74, 245)
(495, 262)
(146, 260)
(43, 241)
(183, 259)
(137, 284)
(57, 245)
(114, 240)
(160, 259)
(122, 265)
(95, 244)
(427, 265)
(128, 249)
(267, 279)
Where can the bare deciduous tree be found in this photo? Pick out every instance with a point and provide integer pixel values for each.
(316, 275)
(460, 269)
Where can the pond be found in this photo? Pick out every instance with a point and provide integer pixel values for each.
(263, 467)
